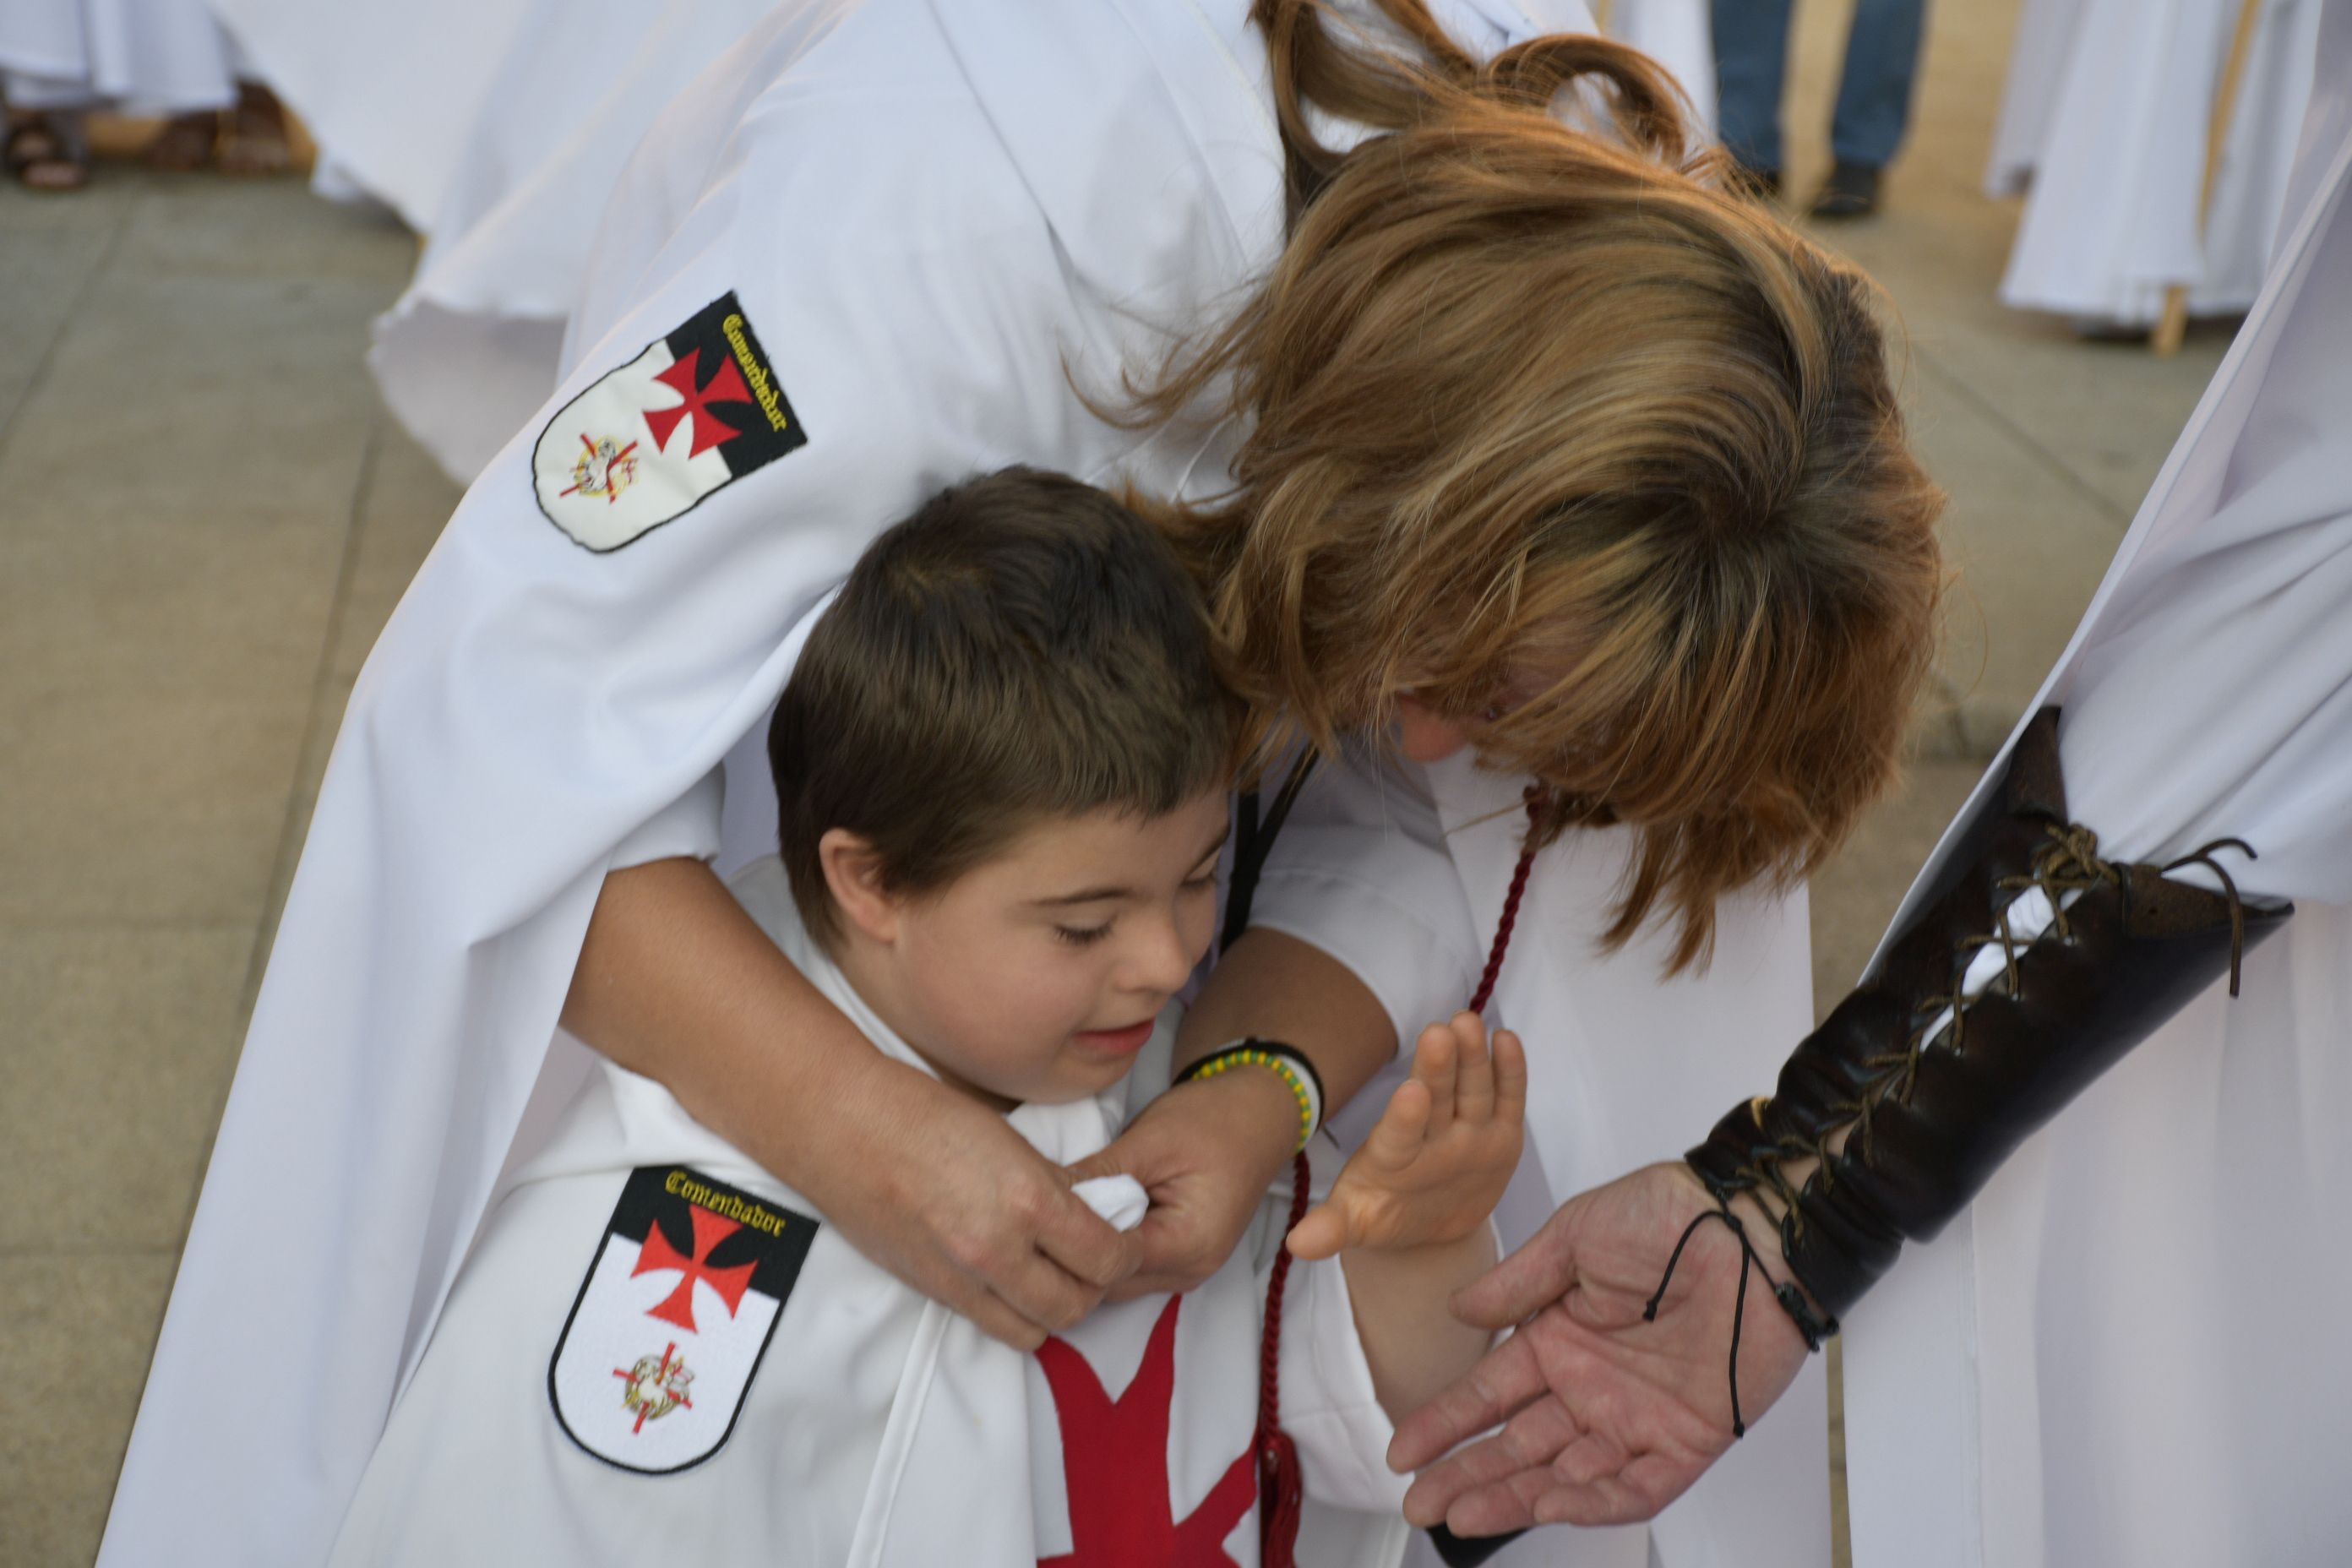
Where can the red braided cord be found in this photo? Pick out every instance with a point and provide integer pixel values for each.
(1280, 1486)
(1279, 1483)
(1493, 972)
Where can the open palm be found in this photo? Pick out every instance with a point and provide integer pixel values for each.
(1604, 1418)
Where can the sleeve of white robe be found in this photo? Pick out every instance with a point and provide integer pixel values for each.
(1361, 871)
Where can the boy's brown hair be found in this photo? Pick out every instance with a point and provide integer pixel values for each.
(1022, 647)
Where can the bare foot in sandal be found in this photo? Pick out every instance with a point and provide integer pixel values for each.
(253, 134)
(48, 150)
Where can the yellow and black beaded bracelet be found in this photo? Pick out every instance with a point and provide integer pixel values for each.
(1285, 1062)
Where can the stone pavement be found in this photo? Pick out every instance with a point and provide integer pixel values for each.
(204, 516)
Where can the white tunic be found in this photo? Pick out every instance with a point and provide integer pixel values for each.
(2130, 1353)
(474, 344)
(1081, 172)
(143, 56)
(877, 1427)
(2104, 122)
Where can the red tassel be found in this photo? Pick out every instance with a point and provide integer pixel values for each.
(1281, 1490)
(1280, 1494)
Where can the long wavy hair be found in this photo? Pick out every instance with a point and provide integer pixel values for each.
(1535, 402)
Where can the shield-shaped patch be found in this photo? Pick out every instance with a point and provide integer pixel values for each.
(673, 1318)
(652, 439)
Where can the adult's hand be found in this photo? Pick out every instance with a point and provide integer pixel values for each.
(942, 1191)
(1206, 1151)
(676, 983)
(1605, 1419)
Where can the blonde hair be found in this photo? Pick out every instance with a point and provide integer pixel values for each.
(1530, 403)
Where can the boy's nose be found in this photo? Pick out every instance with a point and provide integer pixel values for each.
(1163, 961)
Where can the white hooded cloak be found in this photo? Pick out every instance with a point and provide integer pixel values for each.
(2129, 1353)
(2103, 124)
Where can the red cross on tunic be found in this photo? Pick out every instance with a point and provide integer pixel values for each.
(1114, 1460)
(709, 1230)
(710, 430)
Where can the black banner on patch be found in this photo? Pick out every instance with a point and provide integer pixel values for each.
(770, 1235)
(748, 396)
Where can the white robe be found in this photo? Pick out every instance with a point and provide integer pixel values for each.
(2129, 1353)
(141, 56)
(2103, 121)
(877, 1427)
(387, 88)
(474, 344)
(471, 346)
(1680, 35)
(1085, 171)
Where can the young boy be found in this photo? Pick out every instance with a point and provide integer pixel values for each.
(1002, 765)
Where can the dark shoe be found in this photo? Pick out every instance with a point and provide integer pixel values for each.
(1851, 192)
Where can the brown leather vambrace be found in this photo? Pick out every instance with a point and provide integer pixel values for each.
(1932, 1098)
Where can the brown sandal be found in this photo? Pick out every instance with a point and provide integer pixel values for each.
(253, 135)
(48, 151)
(184, 144)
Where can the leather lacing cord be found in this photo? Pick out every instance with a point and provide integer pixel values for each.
(1792, 1300)
(2068, 863)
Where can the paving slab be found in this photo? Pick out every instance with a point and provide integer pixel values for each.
(97, 599)
(48, 258)
(142, 809)
(1857, 894)
(184, 387)
(2027, 547)
(76, 1334)
(130, 1034)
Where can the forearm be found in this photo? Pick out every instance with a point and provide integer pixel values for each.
(1277, 987)
(1893, 1113)
(1413, 1343)
(676, 983)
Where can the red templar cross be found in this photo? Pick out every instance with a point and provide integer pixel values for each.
(710, 430)
(709, 1230)
(1114, 1458)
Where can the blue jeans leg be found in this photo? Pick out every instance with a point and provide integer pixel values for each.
(1881, 60)
(1751, 56)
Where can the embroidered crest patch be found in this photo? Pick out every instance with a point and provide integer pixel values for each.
(673, 1318)
(651, 439)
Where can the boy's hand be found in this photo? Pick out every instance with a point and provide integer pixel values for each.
(1436, 1164)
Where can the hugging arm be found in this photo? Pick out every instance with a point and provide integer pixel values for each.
(675, 982)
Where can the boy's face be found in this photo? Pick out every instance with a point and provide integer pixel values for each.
(1038, 975)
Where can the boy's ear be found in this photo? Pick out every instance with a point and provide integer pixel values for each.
(852, 875)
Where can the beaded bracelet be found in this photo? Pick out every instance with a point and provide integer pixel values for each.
(1285, 1062)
